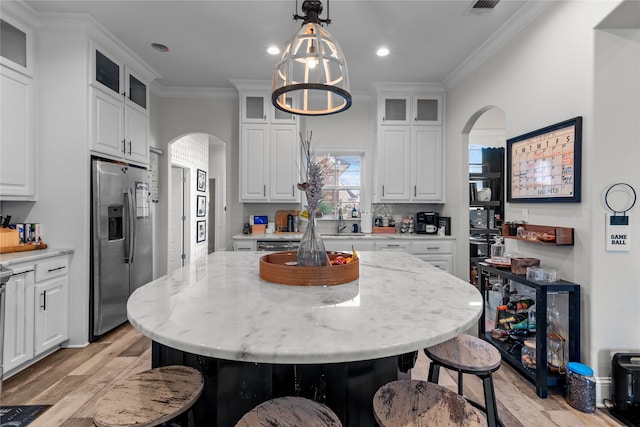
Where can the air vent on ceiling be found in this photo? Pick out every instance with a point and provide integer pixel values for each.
(481, 7)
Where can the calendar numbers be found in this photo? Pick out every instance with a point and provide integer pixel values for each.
(543, 166)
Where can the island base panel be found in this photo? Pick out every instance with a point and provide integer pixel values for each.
(233, 388)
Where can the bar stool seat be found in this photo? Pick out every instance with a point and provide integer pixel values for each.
(404, 403)
(290, 412)
(467, 354)
(149, 398)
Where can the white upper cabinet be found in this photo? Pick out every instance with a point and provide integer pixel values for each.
(427, 110)
(269, 148)
(256, 107)
(409, 151)
(17, 112)
(394, 109)
(16, 45)
(17, 142)
(119, 116)
(407, 108)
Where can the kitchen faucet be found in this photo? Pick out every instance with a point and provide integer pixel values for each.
(341, 224)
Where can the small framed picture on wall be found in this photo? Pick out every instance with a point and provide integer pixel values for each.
(202, 206)
(201, 231)
(202, 180)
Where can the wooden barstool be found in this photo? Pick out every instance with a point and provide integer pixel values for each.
(149, 398)
(420, 404)
(467, 354)
(290, 412)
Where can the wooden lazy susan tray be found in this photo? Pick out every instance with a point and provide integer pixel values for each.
(281, 267)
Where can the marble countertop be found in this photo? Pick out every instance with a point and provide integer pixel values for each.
(6, 260)
(381, 236)
(219, 307)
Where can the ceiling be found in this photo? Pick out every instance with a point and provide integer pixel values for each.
(214, 41)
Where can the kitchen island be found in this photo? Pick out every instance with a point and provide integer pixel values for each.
(255, 340)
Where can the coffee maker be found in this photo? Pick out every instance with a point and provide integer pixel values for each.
(427, 222)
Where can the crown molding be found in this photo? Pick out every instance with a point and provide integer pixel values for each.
(525, 16)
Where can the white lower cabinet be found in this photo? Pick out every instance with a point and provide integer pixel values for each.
(438, 253)
(244, 245)
(37, 311)
(394, 245)
(19, 320)
(51, 314)
(347, 245)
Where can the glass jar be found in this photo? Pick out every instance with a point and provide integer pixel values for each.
(528, 354)
(581, 387)
(497, 250)
(555, 352)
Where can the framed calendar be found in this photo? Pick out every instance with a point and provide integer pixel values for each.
(543, 166)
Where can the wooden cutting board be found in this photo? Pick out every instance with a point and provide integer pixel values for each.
(22, 248)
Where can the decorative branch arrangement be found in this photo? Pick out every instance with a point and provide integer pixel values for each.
(310, 174)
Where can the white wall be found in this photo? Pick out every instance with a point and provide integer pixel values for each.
(173, 118)
(556, 69)
(192, 152)
(218, 170)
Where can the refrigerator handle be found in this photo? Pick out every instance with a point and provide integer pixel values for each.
(127, 228)
(132, 225)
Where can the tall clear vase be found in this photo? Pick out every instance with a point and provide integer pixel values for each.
(311, 252)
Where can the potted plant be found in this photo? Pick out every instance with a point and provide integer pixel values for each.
(512, 226)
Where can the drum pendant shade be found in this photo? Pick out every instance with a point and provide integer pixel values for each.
(312, 71)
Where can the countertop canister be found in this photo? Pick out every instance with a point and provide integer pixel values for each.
(581, 387)
(366, 223)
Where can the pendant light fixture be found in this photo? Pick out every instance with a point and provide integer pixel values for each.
(311, 77)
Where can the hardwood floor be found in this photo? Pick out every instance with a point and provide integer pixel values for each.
(72, 379)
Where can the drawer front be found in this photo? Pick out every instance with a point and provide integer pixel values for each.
(246, 245)
(433, 247)
(443, 262)
(52, 267)
(395, 246)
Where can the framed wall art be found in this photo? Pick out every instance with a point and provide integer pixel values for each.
(544, 166)
(201, 231)
(202, 206)
(202, 180)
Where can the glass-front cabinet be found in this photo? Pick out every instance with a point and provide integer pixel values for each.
(427, 110)
(256, 107)
(16, 46)
(404, 109)
(119, 116)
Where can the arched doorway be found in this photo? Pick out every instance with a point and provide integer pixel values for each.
(197, 198)
(483, 140)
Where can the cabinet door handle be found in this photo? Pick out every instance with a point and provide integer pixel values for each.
(22, 272)
(129, 147)
(44, 300)
(415, 190)
(264, 190)
(433, 248)
(124, 145)
(57, 268)
(382, 190)
(293, 190)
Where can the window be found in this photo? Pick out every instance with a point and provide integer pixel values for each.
(342, 183)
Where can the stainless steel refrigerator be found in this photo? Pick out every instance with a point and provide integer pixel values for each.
(121, 241)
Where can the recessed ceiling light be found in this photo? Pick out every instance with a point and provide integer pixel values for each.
(273, 50)
(160, 47)
(383, 51)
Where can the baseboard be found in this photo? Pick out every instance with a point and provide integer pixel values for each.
(603, 391)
